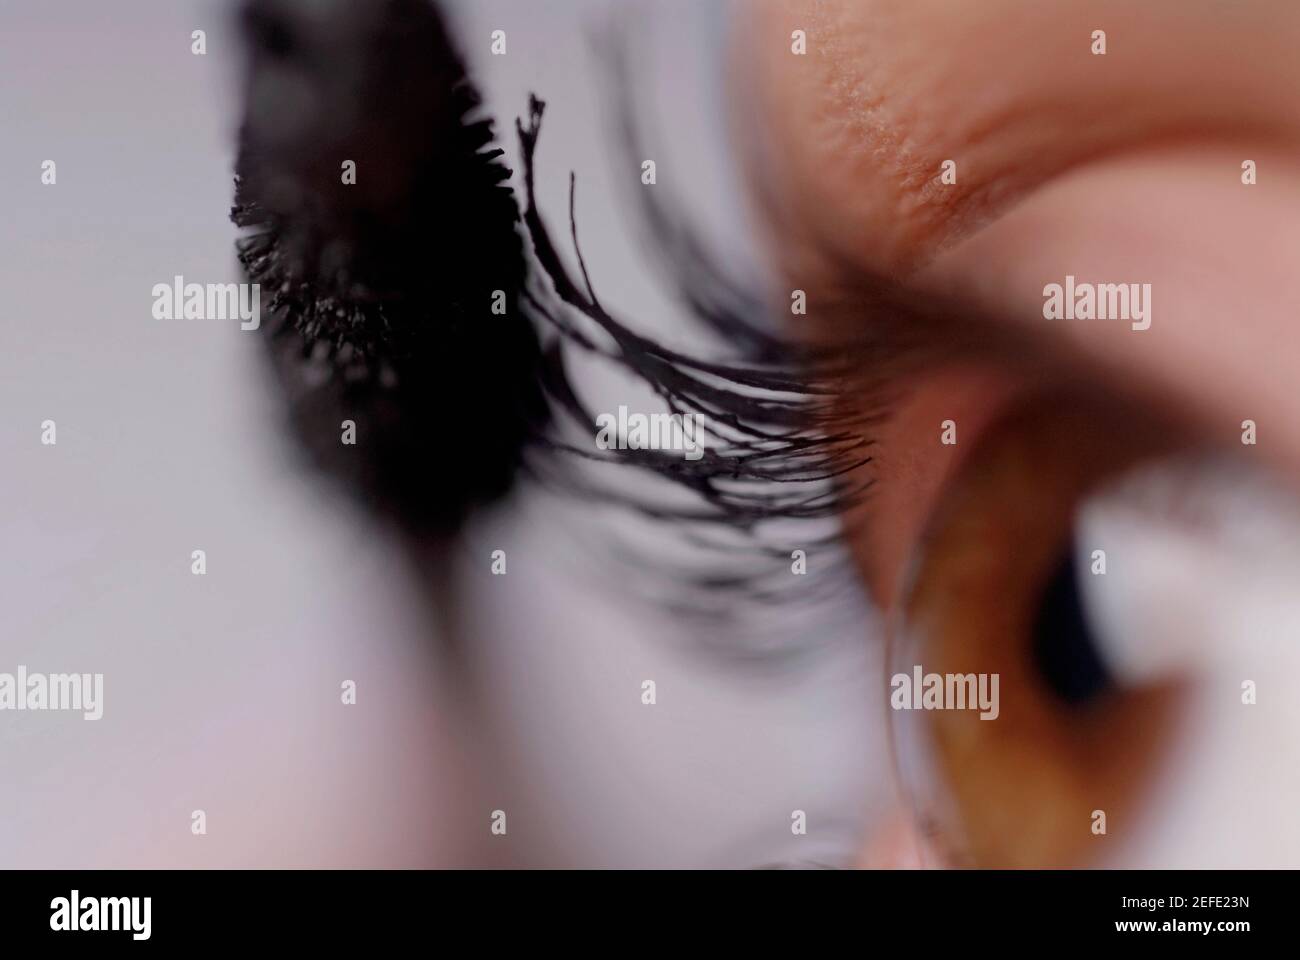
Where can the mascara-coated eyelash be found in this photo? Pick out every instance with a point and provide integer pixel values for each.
(774, 424)
(382, 290)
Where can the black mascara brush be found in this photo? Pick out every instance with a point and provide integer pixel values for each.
(384, 237)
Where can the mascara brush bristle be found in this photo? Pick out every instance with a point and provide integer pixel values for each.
(382, 231)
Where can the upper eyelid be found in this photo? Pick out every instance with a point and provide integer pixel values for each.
(887, 329)
(1215, 253)
(889, 335)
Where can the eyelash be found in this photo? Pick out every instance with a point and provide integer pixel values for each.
(777, 422)
(784, 465)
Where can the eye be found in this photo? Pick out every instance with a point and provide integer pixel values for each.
(1066, 651)
(1052, 740)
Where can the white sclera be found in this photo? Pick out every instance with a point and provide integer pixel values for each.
(1203, 585)
(1202, 569)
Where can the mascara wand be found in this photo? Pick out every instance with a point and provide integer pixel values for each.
(378, 222)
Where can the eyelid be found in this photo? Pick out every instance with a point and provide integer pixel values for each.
(1219, 256)
(913, 467)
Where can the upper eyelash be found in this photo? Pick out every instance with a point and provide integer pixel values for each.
(779, 422)
(786, 461)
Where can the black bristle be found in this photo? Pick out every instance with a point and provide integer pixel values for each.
(381, 292)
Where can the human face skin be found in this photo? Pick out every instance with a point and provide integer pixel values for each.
(1122, 167)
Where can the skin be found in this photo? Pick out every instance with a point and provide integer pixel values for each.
(1117, 168)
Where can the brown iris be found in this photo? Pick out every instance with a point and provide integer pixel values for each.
(1022, 790)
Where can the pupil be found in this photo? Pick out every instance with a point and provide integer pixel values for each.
(1063, 646)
